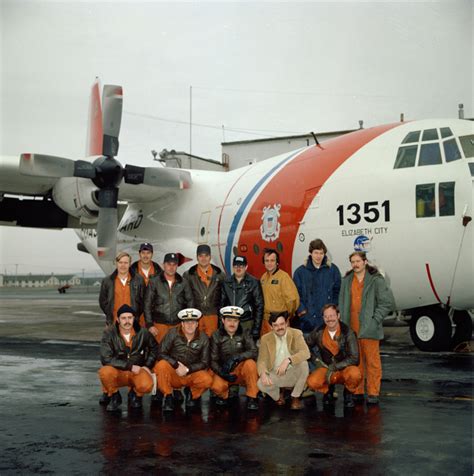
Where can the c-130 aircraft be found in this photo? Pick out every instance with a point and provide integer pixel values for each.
(401, 192)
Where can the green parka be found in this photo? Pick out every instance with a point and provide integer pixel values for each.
(377, 303)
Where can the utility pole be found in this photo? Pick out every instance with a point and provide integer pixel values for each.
(190, 126)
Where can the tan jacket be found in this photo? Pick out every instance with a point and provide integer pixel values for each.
(279, 293)
(297, 347)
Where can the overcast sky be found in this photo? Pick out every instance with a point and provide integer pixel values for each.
(257, 69)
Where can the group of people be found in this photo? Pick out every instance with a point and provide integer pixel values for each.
(205, 330)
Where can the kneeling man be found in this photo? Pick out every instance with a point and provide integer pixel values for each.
(233, 354)
(127, 353)
(335, 351)
(282, 361)
(185, 360)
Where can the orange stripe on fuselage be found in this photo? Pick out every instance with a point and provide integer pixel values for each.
(294, 187)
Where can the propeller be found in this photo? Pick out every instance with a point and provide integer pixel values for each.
(106, 172)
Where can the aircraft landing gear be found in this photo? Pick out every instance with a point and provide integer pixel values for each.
(431, 329)
(463, 332)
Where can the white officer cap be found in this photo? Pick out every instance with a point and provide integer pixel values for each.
(231, 311)
(189, 314)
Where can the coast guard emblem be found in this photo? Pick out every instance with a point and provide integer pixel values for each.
(270, 228)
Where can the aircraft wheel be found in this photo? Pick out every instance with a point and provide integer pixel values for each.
(463, 332)
(430, 329)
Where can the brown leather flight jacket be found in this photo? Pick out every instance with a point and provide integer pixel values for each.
(107, 289)
(206, 298)
(194, 354)
(144, 350)
(163, 303)
(224, 347)
(348, 348)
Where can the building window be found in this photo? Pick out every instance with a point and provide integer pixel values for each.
(430, 154)
(406, 157)
(451, 150)
(446, 199)
(425, 200)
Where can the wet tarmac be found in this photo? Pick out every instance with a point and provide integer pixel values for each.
(51, 423)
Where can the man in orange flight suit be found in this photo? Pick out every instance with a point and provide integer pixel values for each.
(146, 268)
(233, 358)
(127, 353)
(205, 281)
(123, 286)
(334, 351)
(184, 361)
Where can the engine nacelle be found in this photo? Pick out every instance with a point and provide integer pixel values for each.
(77, 197)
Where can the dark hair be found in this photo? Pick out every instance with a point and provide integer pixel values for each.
(317, 244)
(329, 306)
(271, 251)
(361, 254)
(275, 315)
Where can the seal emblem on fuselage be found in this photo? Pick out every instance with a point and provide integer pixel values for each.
(270, 228)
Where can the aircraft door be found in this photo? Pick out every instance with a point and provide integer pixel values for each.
(203, 227)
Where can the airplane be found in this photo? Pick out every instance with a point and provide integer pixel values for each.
(402, 192)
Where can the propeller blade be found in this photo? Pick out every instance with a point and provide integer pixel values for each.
(107, 224)
(84, 169)
(157, 177)
(39, 165)
(112, 100)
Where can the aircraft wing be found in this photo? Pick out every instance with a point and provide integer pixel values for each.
(11, 181)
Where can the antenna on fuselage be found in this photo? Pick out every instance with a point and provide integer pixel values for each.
(315, 138)
(461, 111)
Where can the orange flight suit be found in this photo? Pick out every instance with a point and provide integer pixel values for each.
(112, 379)
(121, 294)
(146, 278)
(167, 379)
(349, 377)
(247, 375)
(207, 324)
(370, 365)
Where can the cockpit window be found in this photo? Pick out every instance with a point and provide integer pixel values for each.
(430, 154)
(467, 144)
(451, 150)
(425, 200)
(430, 134)
(445, 132)
(412, 137)
(446, 199)
(406, 157)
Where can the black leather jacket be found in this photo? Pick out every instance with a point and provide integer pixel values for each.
(206, 298)
(348, 348)
(113, 350)
(107, 291)
(248, 295)
(224, 347)
(194, 355)
(163, 303)
(156, 267)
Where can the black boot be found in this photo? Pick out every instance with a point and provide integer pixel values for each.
(220, 401)
(178, 396)
(252, 403)
(134, 400)
(188, 398)
(115, 402)
(157, 399)
(372, 399)
(168, 405)
(348, 399)
(328, 400)
(358, 398)
(104, 399)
